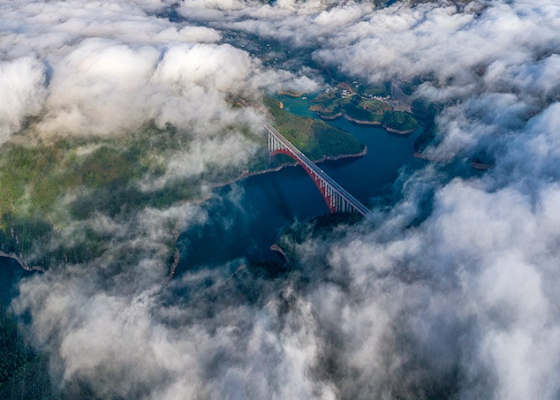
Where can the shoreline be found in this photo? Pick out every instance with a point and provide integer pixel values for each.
(407, 132)
(20, 262)
(249, 174)
(329, 117)
(361, 122)
(422, 156)
(241, 177)
(366, 123)
(290, 93)
(276, 248)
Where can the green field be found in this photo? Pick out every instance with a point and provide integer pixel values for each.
(380, 89)
(359, 114)
(375, 106)
(328, 104)
(367, 110)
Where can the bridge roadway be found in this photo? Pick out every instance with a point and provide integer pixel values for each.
(302, 159)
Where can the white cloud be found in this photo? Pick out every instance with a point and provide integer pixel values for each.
(465, 300)
(22, 84)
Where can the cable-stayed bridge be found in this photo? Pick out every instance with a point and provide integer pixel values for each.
(336, 197)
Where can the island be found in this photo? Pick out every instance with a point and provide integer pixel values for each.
(365, 105)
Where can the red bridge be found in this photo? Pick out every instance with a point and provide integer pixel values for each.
(336, 197)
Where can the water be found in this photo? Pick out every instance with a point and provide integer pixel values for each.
(10, 274)
(252, 213)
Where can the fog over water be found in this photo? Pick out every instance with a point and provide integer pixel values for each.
(451, 293)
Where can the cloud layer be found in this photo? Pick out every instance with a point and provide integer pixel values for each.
(460, 305)
(22, 83)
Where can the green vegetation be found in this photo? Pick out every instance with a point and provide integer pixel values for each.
(358, 104)
(399, 121)
(375, 106)
(313, 137)
(328, 105)
(368, 110)
(410, 87)
(39, 175)
(49, 187)
(357, 113)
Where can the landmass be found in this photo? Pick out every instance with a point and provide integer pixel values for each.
(315, 138)
(365, 105)
(51, 187)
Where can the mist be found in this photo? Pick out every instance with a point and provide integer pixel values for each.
(456, 302)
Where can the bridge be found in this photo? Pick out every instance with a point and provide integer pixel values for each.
(336, 197)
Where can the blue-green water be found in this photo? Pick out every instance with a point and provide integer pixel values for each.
(260, 207)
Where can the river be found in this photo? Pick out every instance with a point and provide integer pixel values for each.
(248, 216)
